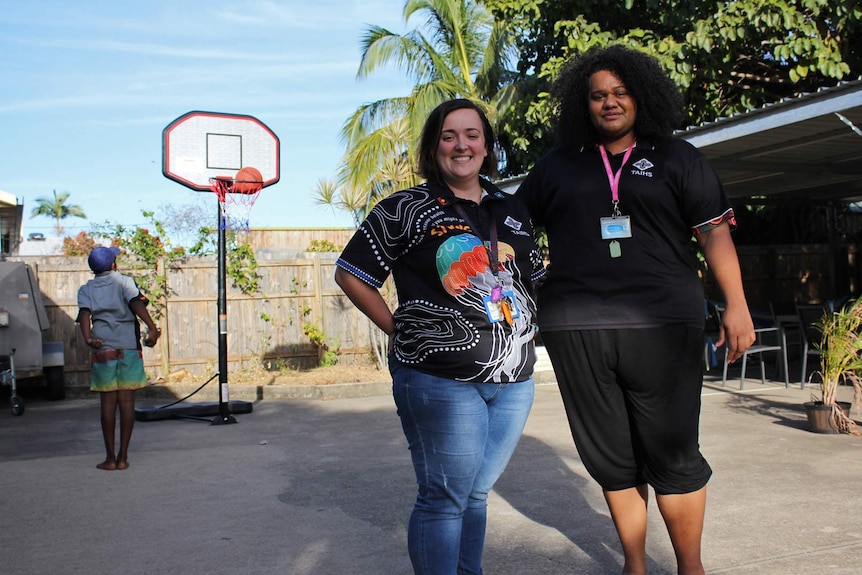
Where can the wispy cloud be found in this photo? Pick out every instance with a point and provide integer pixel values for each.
(97, 81)
(150, 49)
(323, 15)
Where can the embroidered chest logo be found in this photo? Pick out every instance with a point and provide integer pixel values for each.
(642, 165)
(512, 223)
(515, 226)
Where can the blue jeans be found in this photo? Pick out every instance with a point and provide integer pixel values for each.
(461, 436)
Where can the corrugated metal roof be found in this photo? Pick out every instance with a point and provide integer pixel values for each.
(799, 149)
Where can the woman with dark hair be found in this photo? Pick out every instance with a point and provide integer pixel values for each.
(462, 256)
(621, 312)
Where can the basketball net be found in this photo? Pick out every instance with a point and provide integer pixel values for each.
(236, 205)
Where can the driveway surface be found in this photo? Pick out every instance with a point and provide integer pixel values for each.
(308, 487)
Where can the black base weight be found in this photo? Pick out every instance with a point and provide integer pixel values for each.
(193, 411)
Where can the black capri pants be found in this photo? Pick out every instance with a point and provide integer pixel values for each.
(632, 397)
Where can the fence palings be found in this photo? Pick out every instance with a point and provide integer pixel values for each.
(264, 328)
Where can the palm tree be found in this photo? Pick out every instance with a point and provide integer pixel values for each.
(462, 54)
(56, 208)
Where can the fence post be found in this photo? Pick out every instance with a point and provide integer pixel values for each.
(318, 302)
(164, 340)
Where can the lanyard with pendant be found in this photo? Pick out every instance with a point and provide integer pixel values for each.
(617, 226)
(498, 305)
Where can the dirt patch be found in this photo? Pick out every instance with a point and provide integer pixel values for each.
(360, 373)
(332, 374)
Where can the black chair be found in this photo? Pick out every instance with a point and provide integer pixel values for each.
(809, 339)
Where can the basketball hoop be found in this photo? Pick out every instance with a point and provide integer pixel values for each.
(237, 195)
(198, 149)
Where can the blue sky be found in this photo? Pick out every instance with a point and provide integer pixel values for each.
(89, 86)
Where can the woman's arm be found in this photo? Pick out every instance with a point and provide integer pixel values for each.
(737, 329)
(366, 299)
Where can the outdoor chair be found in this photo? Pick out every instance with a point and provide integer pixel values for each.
(766, 335)
(810, 335)
(786, 320)
(711, 333)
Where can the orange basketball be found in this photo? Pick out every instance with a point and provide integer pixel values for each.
(247, 181)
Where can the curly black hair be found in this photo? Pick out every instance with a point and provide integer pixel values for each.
(429, 140)
(659, 102)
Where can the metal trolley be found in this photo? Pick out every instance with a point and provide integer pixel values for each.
(25, 356)
(7, 377)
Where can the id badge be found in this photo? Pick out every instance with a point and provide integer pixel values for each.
(616, 227)
(506, 309)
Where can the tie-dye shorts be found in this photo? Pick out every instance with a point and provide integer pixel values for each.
(115, 369)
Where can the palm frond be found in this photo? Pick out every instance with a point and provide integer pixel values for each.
(371, 117)
(381, 47)
(457, 51)
(325, 192)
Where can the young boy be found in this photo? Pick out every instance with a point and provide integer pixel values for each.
(109, 307)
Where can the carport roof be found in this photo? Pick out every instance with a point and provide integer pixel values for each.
(802, 149)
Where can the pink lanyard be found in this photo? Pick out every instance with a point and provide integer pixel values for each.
(614, 179)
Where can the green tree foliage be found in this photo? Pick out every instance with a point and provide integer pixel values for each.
(151, 254)
(57, 208)
(459, 51)
(726, 57)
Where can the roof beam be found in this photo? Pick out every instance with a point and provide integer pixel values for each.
(827, 101)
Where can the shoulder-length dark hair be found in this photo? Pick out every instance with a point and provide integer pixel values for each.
(659, 102)
(426, 155)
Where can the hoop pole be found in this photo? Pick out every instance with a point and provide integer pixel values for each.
(224, 415)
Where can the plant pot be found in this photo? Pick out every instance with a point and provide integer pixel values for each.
(820, 416)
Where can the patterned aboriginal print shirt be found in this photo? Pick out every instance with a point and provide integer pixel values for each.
(440, 265)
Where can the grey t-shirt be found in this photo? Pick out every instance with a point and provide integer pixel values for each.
(107, 296)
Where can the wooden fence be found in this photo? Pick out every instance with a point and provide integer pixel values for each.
(264, 329)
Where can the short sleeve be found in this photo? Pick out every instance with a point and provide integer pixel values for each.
(704, 202)
(84, 297)
(378, 242)
(130, 289)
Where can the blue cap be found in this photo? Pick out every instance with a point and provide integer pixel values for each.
(102, 257)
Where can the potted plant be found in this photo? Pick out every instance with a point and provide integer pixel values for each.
(840, 363)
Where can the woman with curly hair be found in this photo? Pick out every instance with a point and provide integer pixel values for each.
(621, 313)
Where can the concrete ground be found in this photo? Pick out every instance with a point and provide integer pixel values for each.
(304, 487)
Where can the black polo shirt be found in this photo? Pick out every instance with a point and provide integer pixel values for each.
(441, 273)
(670, 192)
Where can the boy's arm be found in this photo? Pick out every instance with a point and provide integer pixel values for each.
(139, 308)
(84, 321)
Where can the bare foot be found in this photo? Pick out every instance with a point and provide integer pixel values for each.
(108, 465)
(122, 465)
